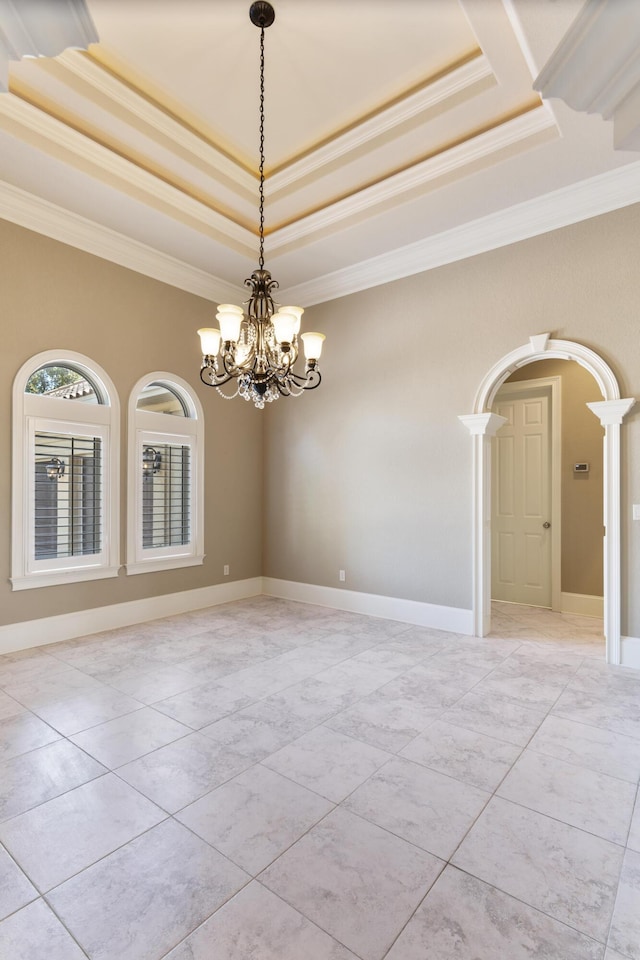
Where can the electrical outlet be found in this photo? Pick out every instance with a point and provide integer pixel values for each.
(226, 570)
(341, 576)
(636, 511)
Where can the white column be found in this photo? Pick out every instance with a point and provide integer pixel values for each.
(482, 427)
(611, 413)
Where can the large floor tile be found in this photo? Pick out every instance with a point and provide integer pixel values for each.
(25, 665)
(60, 838)
(614, 707)
(463, 918)
(328, 762)
(384, 722)
(613, 754)
(43, 774)
(126, 738)
(203, 705)
(566, 873)
(625, 926)
(87, 710)
(142, 900)
(464, 754)
(426, 808)
(257, 924)
(592, 801)
(23, 733)
(35, 933)
(9, 707)
(495, 717)
(254, 737)
(15, 889)
(522, 689)
(253, 818)
(633, 839)
(355, 880)
(181, 772)
(152, 685)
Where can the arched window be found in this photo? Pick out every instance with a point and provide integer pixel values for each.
(165, 527)
(65, 472)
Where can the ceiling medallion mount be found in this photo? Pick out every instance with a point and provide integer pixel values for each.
(257, 348)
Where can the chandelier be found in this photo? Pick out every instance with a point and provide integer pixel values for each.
(257, 348)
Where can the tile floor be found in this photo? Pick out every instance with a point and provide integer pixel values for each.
(267, 780)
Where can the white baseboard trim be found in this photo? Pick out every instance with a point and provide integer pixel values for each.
(453, 619)
(630, 652)
(66, 626)
(582, 604)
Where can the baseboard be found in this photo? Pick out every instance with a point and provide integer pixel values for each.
(630, 652)
(453, 619)
(66, 626)
(582, 604)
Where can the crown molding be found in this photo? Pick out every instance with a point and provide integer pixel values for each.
(53, 221)
(119, 92)
(42, 30)
(102, 159)
(461, 78)
(560, 208)
(596, 67)
(498, 138)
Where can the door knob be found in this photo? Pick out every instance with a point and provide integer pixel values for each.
(546, 524)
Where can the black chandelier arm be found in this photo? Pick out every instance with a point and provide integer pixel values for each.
(210, 378)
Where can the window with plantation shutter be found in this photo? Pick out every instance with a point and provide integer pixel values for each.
(65, 472)
(165, 526)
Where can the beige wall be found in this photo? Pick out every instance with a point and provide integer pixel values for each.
(373, 473)
(54, 296)
(581, 508)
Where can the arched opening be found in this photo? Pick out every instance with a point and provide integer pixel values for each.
(483, 424)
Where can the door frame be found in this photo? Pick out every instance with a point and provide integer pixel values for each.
(550, 387)
(483, 424)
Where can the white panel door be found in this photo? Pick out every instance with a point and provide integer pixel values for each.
(521, 481)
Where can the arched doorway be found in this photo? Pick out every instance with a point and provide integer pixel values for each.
(483, 424)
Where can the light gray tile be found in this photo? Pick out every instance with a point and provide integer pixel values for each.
(126, 738)
(327, 762)
(581, 797)
(154, 685)
(625, 926)
(252, 737)
(203, 705)
(23, 733)
(495, 717)
(464, 754)
(50, 688)
(15, 889)
(385, 722)
(601, 750)
(463, 918)
(530, 691)
(9, 707)
(613, 955)
(257, 924)
(345, 860)
(34, 933)
(420, 805)
(86, 710)
(42, 774)
(140, 901)
(254, 817)
(633, 840)
(566, 873)
(26, 665)
(615, 707)
(181, 772)
(59, 838)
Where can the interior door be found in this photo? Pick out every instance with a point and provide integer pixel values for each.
(521, 494)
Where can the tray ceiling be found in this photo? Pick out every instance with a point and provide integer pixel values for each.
(387, 125)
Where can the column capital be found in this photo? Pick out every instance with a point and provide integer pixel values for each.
(482, 424)
(610, 412)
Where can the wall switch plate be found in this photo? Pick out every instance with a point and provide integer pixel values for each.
(636, 511)
(341, 576)
(225, 570)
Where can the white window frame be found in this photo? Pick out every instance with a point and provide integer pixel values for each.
(146, 429)
(34, 413)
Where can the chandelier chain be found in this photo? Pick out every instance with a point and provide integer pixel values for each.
(261, 257)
